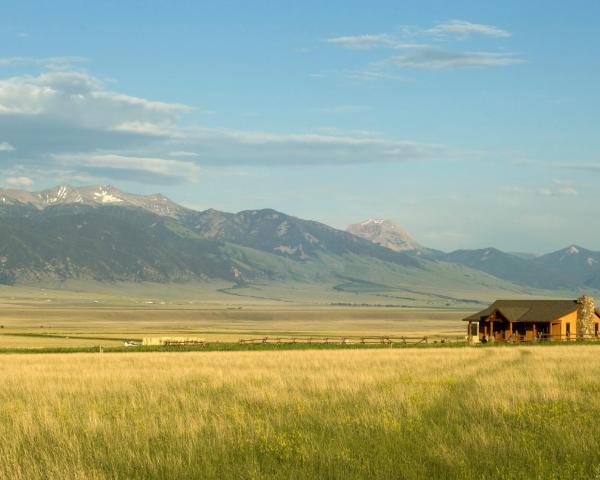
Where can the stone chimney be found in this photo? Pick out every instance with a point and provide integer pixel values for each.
(585, 317)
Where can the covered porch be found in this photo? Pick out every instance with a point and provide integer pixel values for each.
(497, 328)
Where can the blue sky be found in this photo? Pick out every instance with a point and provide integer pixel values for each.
(470, 123)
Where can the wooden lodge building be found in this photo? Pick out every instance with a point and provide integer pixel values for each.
(531, 320)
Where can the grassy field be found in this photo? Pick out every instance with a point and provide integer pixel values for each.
(80, 314)
(276, 411)
(524, 412)
(25, 325)
(21, 324)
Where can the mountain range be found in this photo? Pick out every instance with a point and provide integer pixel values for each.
(104, 234)
(570, 267)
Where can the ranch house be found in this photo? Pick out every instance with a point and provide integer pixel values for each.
(532, 320)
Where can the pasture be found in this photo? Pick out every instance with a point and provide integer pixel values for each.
(524, 412)
(33, 326)
(472, 412)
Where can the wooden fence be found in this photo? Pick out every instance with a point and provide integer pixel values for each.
(352, 340)
(173, 341)
(547, 337)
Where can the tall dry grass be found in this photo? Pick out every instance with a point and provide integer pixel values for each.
(526, 412)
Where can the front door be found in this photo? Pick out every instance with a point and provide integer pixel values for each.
(555, 331)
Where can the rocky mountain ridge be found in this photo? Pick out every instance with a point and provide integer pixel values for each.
(385, 233)
(103, 233)
(93, 195)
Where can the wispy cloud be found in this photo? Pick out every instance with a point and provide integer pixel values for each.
(50, 63)
(437, 58)
(372, 74)
(462, 28)
(421, 49)
(406, 36)
(557, 192)
(18, 182)
(559, 188)
(71, 123)
(231, 147)
(151, 166)
(183, 153)
(585, 167)
(363, 42)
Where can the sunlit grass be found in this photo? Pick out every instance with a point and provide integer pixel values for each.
(422, 413)
(109, 326)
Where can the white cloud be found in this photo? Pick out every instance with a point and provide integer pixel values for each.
(156, 166)
(564, 188)
(6, 147)
(50, 63)
(557, 192)
(362, 42)
(559, 188)
(72, 112)
(70, 123)
(436, 58)
(234, 147)
(426, 54)
(82, 99)
(371, 75)
(462, 28)
(183, 153)
(408, 33)
(568, 191)
(19, 181)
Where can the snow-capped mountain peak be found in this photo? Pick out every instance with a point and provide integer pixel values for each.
(94, 195)
(103, 195)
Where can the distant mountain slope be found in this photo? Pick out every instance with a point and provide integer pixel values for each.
(108, 243)
(571, 267)
(576, 265)
(508, 267)
(113, 243)
(284, 235)
(104, 234)
(117, 241)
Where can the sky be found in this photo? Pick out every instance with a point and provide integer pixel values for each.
(470, 123)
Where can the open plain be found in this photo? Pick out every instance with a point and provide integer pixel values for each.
(320, 411)
(35, 317)
(526, 412)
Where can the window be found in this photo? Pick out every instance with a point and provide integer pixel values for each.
(475, 327)
(595, 329)
(568, 329)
